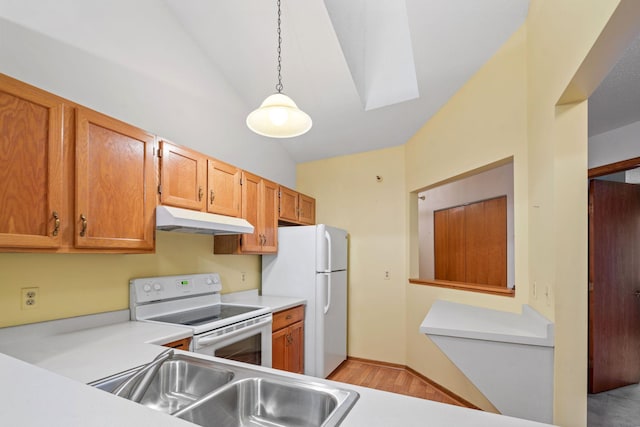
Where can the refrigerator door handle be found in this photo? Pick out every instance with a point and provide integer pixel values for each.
(328, 304)
(327, 236)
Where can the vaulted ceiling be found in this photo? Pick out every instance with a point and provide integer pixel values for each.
(369, 73)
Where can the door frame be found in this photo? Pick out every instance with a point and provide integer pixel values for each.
(614, 167)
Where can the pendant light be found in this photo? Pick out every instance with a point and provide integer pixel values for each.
(278, 116)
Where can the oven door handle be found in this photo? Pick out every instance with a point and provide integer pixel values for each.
(206, 341)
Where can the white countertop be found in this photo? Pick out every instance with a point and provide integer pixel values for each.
(465, 321)
(251, 297)
(90, 354)
(50, 388)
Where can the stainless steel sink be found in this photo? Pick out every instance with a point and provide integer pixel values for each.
(179, 382)
(210, 393)
(270, 402)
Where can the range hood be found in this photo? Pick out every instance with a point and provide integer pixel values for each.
(169, 218)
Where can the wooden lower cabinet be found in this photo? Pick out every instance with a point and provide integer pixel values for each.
(288, 340)
(182, 344)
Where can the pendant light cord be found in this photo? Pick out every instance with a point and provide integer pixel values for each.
(279, 85)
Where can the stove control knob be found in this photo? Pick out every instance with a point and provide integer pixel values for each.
(216, 279)
(146, 287)
(209, 281)
(157, 287)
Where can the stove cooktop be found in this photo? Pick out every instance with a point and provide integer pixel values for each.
(205, 315)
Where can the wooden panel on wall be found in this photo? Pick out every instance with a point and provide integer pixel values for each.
(496, 241)
(449, 244)
(470, 243)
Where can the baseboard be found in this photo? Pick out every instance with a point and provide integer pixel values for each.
(461, 401)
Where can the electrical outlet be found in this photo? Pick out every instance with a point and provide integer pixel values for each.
(29, 298)
(243, 277)
(387, 275)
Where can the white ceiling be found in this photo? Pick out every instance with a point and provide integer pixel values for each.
(369, 73)
(329, 67)
(616, 102)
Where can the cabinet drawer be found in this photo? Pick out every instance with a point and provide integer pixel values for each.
(285, 318)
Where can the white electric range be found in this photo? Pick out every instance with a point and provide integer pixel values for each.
(232, 331)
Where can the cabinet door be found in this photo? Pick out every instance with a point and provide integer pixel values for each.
(31, 174)
(288, 204)
(115, 183)
(279, 349)
(183, 177)
(251, 211)
(307, 209)
(295, 349)
(224, 190)
(269, 223)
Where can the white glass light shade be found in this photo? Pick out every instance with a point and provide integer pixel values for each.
(279, 117)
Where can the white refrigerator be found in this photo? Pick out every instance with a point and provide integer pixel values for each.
(312, 264)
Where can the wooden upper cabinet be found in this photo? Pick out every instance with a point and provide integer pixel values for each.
(183, 177)
(295, 207)
(259, 207)
(115, 184)
(251, 201)
(31, 167)
(269, 223)
(307, 214)
(223, 188)
(288, 209)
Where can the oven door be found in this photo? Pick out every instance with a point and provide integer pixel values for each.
(248, 341)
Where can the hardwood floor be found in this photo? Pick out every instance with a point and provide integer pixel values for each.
(396, 379)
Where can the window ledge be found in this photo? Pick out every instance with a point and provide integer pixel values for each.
(493, 290)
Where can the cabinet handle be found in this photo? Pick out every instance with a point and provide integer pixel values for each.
(56, 223)
(289, 317)
(289, 338)
(200, 192)
(212, 197)
(84, 225)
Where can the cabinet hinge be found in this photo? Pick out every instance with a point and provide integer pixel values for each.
(279, 194)
(158, 152)
(159, 189)
(241, 181)
(590, 286)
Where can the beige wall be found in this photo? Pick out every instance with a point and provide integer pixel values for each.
(349, 196)
(560, 35)
(484, 123)
(77, 284)
(508, 109)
